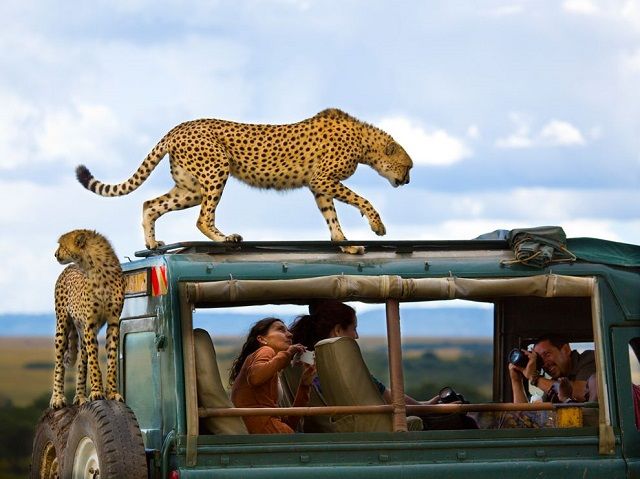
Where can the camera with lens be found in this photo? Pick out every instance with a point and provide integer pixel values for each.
(448, 395)
(520, 359)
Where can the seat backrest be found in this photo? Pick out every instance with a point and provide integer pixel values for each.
(211, 393)
(290, 377)
(345, 381)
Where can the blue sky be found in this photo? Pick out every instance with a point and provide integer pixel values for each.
(516, 113)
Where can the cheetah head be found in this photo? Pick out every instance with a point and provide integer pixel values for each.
(393, 163)
(71, 246)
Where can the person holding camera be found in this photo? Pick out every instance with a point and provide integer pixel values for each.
(572, 374)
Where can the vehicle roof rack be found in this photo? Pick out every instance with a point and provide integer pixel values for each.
(397, 246)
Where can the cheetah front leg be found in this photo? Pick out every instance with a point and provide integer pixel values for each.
(91, 346)
(334, 189)
(63, 323)
(326, 207)
(113, 337)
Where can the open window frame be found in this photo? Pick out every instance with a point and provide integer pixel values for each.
(390, 290)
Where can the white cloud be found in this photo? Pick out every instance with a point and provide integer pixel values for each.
(630, 12)
(96, 115)
(561, 133)
(625, 12)
(435, 148)
(582, 7)
(17, 118)
(520, 137)
(553, 133)
(66, 135)
(83, 132)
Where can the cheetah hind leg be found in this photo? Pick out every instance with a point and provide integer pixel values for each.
(113, 331)
(71, 353)
(206, 222)
(81, 379)
(90, 340)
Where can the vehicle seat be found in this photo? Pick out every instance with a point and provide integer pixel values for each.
(290, 379)
(211, 393)
(346, 381)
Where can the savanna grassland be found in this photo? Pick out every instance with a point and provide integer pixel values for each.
(26, 365)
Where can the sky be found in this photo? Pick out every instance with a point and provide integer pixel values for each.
(516, 114)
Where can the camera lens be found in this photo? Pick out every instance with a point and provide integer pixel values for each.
(448, 395)
(517, 357)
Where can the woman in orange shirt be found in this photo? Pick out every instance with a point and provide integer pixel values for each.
(254, 375)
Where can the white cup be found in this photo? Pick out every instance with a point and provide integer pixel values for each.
(308, 357)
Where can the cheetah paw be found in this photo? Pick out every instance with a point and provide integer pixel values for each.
(153, 244)
(114, 396)
(378, 228)
(96, 395)
(233, 238)
(57, 402)
(79, 400)
(352, 249)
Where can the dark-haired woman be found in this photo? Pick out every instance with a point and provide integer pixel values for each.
(254, 375)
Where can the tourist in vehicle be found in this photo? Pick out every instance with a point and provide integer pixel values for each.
(572, 374)
(254, 375)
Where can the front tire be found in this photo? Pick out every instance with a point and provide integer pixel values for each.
(105, 441)
(50, 441)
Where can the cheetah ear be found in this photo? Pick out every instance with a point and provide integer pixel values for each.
(80, 240)
(391, 148)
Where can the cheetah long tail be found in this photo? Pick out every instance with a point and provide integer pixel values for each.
(152, 160)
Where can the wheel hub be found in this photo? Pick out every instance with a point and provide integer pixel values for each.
(85, 461)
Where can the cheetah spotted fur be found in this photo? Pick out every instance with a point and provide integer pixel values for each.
(318, 153)
(88, 294)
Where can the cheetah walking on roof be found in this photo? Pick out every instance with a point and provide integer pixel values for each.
(318, 153)
(88, 294)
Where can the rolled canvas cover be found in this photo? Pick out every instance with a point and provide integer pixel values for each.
(378, 288)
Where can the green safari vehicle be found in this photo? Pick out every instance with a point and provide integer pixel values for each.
(171, 379)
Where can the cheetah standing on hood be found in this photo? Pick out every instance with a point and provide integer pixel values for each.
(88, 294)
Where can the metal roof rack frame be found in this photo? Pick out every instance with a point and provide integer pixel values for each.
(397, 246)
